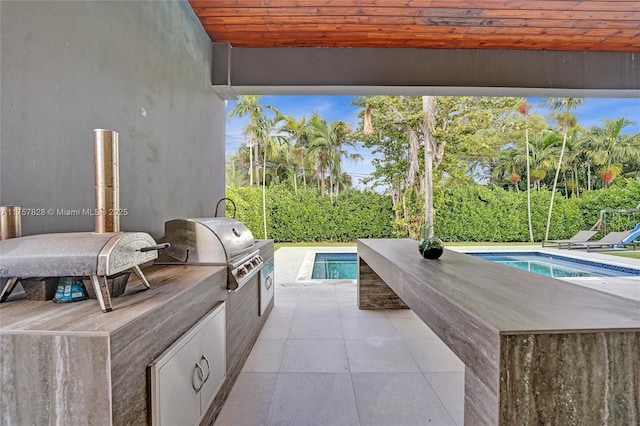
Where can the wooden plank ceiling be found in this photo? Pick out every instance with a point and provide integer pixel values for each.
(594, 25)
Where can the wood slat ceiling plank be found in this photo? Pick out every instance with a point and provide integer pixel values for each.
(450, 38)
(430, 12)
(399, 11)
(396, 20)
(441, 44)
(485, 4)
(311, 29)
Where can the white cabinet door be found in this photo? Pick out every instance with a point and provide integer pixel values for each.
(212, 346)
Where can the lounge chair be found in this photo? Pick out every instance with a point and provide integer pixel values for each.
(580, 237)
(611, 240)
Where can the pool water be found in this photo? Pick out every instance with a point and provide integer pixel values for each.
(335, 266)
(557, 266)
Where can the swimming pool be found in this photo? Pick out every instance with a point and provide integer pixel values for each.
(335, 266)
(344, 266)
(551, 265)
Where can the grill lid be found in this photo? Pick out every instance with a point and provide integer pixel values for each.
(214, 241)
(208, 239)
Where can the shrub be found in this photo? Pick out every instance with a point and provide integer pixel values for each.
(307, 216)
(470, 213)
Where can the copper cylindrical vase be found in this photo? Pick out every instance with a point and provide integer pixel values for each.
(10, 222)
(107, 171)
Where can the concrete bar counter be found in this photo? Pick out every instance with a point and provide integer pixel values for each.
(537, 350)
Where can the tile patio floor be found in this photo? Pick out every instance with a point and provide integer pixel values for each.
(321, 361)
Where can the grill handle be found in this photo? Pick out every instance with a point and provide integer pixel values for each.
(156, 247)
(232, 202)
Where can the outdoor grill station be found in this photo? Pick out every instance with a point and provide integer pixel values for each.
(174, 343)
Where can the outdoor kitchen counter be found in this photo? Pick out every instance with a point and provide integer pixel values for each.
(167, 283)
(72, 364)
(536, 350)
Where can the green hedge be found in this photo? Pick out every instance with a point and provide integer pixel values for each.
(471, 213)
(477, 213)
(307, 216)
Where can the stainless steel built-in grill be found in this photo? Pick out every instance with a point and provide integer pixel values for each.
(77, 254)
(214, 241)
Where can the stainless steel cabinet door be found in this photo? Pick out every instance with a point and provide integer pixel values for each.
(212, 347)
(177, 402)
(186, 377)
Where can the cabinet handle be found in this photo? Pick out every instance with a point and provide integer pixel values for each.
(200, 375)
(206, 377)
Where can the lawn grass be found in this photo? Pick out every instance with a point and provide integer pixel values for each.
(628, 254)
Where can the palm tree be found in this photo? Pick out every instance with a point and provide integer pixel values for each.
(573, 159)
(543, 154)
(268, 136)
(342, 130)
(562, 108)
(611, 149)
(507, 168)
(250, 105)
(238, 164)
(325, 142)
(298, 131)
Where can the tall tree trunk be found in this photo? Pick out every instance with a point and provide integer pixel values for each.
(330, 186)
(264, 194)
(396, 201)
(405, 213)
(555, 182)
(414, 148)
(250, 161)
(429, 108)
(526, 141)
(256, 155)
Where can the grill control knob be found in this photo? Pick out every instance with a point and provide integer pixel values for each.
(241, 272)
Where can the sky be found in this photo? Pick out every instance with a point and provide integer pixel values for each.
(591, 112)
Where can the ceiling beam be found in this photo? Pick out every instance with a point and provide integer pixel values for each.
(311, 70)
